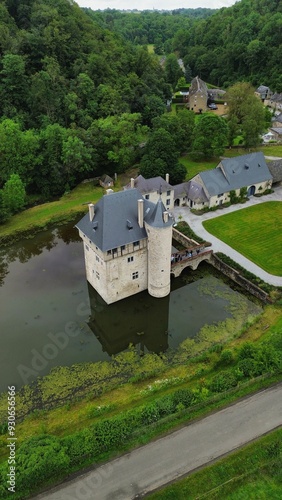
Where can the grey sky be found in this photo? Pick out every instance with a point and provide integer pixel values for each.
(154, 4)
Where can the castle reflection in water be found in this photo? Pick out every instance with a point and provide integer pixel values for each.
(140, 320)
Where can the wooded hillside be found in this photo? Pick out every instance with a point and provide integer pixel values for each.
(241, 42)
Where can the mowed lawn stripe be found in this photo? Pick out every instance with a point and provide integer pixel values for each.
(255, 232)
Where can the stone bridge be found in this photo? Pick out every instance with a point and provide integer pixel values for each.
(191, 256)
(184, 259)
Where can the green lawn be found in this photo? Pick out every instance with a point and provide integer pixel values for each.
(194, 167)
(255, 232)
(266, 150)
(41, 215)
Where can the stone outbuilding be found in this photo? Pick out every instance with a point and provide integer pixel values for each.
(198, 96)
(106, 181)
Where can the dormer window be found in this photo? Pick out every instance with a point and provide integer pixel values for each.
(129, 224)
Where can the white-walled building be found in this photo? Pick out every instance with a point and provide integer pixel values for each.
(153, 188)
(212, 188)
(127, 245)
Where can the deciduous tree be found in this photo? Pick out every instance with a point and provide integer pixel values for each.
(210, 136)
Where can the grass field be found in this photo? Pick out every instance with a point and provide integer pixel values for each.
(40, 216)
(255, 232)
(254, 472)
(194, 167)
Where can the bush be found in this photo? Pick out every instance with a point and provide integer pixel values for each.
(223, 382)
(80, 446)
(150, 414)
(165, 406)
(247, 350)
(184, 396)
(38, 460)
(226, 357)
(248, 367)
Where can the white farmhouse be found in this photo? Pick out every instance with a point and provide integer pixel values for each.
(127, 245)
(212, 188)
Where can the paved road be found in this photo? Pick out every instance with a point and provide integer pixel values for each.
(170, 457)
(196, 223)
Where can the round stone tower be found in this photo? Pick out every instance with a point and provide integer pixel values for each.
(159, 231)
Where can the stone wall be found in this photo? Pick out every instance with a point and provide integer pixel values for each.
(184, 240)
(239, 279)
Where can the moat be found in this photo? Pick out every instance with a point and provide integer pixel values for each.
(51, 317)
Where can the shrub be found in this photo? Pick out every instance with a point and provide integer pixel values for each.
(80, 445)
(247, 350)
(165, 406)
(184, 396)
(226, 357)
(38, 460)
(248, 367)
(223, 382)
(150, 414)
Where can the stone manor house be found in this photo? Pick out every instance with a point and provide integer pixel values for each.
(127, 245)
(127, 235)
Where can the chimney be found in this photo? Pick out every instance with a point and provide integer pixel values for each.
(165, 214)
(91, 211)
(132, 182)
(167, 178)
(141, 213)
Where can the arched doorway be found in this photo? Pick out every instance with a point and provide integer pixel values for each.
(251, 190)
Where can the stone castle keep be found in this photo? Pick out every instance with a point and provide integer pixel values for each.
(127, 245)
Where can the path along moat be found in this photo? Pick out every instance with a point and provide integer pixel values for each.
(49, 316)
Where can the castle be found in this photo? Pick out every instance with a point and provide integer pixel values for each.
(127, 245)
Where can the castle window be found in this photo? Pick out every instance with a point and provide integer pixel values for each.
(135, 275)
(122, 247)
(87, 247)
(97, 258)
(147, 196)
(168, 201)
(136, 243)
(97, 275)
(168, 193)
(130, 259)
(114, 250)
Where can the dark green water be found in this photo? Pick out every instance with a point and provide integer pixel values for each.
(49, 316)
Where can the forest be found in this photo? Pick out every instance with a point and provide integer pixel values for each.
(81, 94)
(241, 42)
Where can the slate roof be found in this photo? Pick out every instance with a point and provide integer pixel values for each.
(149, 185)
(277, 118)
(196, 192)
(234, 173)
(275, 168)
(262, 88)
(198, 85)
(115, 221)
(278, 130)
(276, 97)
(106, 178)
(155, 217)
(180, 190)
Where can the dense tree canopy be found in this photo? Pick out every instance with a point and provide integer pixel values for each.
(246, 114)
(80, 92)
(210, 136)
